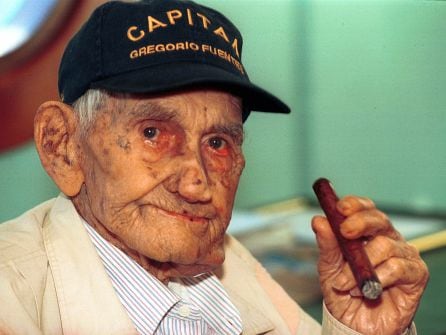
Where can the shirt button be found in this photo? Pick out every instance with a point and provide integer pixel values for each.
(184, 311)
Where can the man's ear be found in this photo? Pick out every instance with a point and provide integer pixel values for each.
(57, 145)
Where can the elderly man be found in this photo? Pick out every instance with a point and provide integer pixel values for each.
(146, 147)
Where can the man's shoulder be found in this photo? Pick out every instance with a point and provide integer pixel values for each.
(21, 238)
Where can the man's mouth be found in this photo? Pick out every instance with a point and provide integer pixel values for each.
(186, 216)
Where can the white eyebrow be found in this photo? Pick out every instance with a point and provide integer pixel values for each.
(235, 131)
(152, 110)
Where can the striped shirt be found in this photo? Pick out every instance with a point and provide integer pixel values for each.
(187, 306)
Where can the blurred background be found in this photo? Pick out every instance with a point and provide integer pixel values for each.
(366, 84)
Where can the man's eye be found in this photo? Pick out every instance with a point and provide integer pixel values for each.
(151, 133)
(217, 143)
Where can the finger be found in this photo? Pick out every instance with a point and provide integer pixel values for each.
(381, 248)
(345, 281)
(402, 272)
(378, 250)
(329, 252)
(368, 223)
(350, 204)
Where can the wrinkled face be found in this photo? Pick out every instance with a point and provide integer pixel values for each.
(161, 174)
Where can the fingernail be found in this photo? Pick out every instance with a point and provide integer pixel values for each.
(346, 229)
(344, 207)
(348, 232)
(355, 292)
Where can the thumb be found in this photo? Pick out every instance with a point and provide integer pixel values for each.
(330, 256)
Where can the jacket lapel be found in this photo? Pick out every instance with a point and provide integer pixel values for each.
(254, 321)
(84, 291)
(237, 275)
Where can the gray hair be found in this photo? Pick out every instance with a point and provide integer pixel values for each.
(86, 108)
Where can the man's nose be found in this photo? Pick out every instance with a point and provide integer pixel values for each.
(192, 180)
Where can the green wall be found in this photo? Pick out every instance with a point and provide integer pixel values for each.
(375, 102)
(23, 182)
(364, 80)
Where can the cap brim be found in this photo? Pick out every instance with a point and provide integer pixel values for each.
(170, 77)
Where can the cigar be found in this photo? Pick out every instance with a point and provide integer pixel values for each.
(352, 250)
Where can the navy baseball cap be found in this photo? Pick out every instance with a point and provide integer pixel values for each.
(158, 46)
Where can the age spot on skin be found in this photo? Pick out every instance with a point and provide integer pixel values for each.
(123, 143)
(150, 168)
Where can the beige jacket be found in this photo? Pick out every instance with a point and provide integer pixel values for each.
(53, 282)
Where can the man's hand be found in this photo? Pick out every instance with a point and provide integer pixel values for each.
(398, 266)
